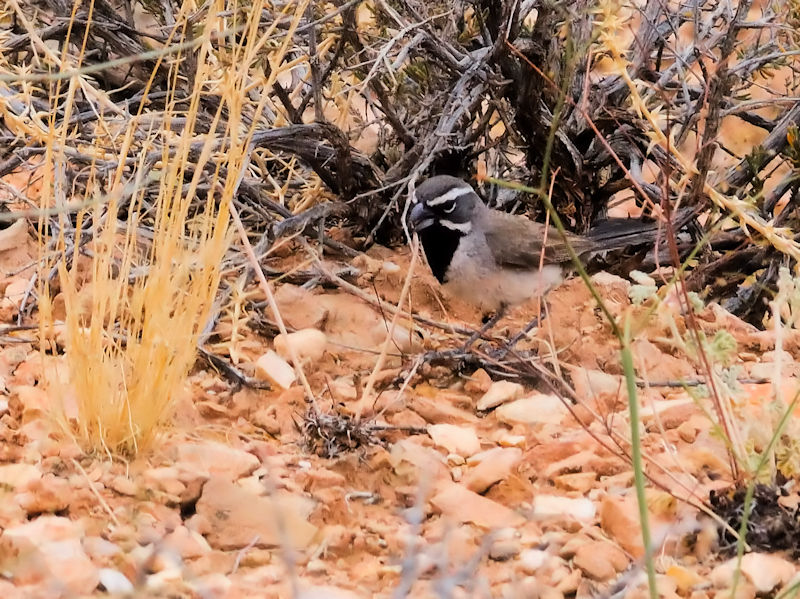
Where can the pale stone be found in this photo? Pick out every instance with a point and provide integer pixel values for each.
(100, 549)
(499, 392)
(687, 432)
(666, 586)
(548, 506)
(569, 582)
(46, 529)
(537, 409)
(17, 476)
(571, 544)
(788, 372)
(722, 574)
(202, 459)
(194, 482)
(773, 355)
(299, 307)
(215, 585)
(455, 461)
(436, 410)
(123, 485)
(164, 579)
(656, 407)
(582, 482)
(267, 419)
(49, 548)
(531, 560)
(318, 478)
(551, 593)
(316, 567)
(14, 292)
(478, 382)
(405, 340)
(460, 440)
(768, 368)
(252, 484)
(684, 578)
(308, 344)
(14, 236)
(574, 462)
(387, 266)
(273, 368)
(352, 322)
(38, 431)
(343, 389)
(589, 384)
(506, 439)
(326, 592)
(187, 543)
(765, 571)
(409, 458)
(611, 280)
(504, 549)
(745, 590)
(47, 494)
(34, 401)
(165, 478)
(232, 518)
(491, 467)
(115, 582)
(462, 505)
(619, 518)
(600, 560)
(528, 587)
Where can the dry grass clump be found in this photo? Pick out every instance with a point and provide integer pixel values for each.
(139, 268)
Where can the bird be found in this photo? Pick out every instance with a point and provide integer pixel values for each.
(493, 259)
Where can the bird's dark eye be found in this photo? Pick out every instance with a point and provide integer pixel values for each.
(449, 207)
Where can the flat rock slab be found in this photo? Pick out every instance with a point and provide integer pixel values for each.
(231, 517)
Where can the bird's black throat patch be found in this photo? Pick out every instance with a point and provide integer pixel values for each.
(439, 244)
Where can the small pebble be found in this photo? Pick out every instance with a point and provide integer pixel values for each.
(504, 549)
(115, 582)
(316, 566)
(687, 432)
(531, 560)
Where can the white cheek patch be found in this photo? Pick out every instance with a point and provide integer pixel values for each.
(460, 227)
(449, 196)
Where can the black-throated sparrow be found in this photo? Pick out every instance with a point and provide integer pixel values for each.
(491, 258)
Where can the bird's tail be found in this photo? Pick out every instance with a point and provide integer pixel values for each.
(619, 233)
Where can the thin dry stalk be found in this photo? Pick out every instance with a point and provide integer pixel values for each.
(273, 305)
(369, 390)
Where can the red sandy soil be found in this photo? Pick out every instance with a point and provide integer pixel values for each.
(530, 498)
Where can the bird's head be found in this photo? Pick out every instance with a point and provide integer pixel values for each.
(445, 201)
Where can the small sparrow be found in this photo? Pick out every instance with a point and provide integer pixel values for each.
(491, 258)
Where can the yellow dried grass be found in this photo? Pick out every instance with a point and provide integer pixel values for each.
(130, 347)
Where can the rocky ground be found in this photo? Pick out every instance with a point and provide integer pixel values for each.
(475, 487)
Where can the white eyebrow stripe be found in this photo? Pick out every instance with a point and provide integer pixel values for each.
(449, 196)
(462, 227)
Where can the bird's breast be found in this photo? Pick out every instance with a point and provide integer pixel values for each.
(473, 275)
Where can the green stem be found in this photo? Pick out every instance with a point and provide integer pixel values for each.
(636, 458)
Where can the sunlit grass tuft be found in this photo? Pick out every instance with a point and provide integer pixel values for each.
(138, 291)
(130, 345)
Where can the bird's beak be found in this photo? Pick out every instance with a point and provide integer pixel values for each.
(420, 217)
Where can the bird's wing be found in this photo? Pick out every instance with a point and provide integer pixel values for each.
(516, 242)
